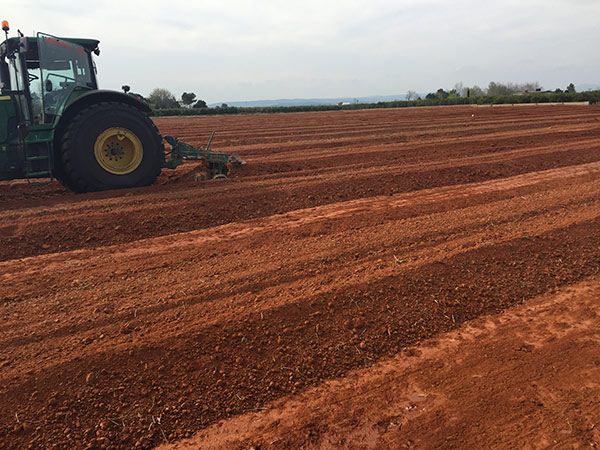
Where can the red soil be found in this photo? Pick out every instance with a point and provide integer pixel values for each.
(142, 317)
(527, 378)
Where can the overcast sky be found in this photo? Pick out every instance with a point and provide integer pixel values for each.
(266, 49)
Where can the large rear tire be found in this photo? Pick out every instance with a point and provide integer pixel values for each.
(110, 145)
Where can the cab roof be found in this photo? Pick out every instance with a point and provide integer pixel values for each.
(89, 44)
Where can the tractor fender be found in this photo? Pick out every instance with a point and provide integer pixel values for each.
(91, 97)
(83, 101)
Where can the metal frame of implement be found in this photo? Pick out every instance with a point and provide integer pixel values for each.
(217, 164)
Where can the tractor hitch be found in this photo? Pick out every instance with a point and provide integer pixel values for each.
(217, 164)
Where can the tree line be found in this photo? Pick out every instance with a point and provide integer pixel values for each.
(164, 103)
(494, 89)
(537, 97)
(161, 98)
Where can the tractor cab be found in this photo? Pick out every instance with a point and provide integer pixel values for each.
(43, 73)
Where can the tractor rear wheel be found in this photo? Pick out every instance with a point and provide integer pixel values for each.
(110, 145)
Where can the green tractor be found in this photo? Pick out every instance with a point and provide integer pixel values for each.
(56, 123)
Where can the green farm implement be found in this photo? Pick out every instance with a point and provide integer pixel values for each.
(56, 123)
(217, 164)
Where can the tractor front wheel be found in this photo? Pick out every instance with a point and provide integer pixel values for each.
(111, 146)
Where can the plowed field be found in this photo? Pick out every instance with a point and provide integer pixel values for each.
(370, 279)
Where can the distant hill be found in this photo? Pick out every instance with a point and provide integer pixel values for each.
(315, 101)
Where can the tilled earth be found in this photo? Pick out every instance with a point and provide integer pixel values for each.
(143, 317)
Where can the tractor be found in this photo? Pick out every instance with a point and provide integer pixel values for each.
(56, 123)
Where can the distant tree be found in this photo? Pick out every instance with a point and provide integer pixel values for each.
(558, 91)
(460, 89)
(527, 87)
(224, 105)
(475, 92)
(441, 94)
(571, 88)
(187, 98)
(499, 89)
(126, 88)
(412, 95)
(200, 104)
(431, 96)
(162, 99)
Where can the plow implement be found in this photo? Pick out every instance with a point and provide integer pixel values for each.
(218, 165)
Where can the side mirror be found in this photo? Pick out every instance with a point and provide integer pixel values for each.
(48, 85)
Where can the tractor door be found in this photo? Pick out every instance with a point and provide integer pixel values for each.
(19, 84)
(11, 162)
(65, 67)
(15, 112)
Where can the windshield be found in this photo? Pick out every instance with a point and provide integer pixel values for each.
(64, 66)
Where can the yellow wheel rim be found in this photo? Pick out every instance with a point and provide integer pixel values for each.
(118, 151)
